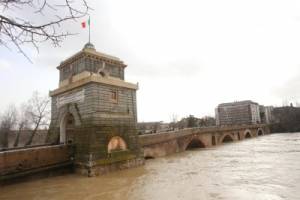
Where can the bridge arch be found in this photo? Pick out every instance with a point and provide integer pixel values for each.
(247, 134)
(194, 143)
(226, 138)
(260, 132)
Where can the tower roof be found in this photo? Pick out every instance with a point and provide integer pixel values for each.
(238, 103)
(90, 50)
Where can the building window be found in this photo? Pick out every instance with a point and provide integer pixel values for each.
(114, 96)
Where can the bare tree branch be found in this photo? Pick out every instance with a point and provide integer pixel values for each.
(38, 112)
(20, 31)
(22, 123)
(8, 121)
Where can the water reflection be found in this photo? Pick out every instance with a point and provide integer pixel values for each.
(267, 167)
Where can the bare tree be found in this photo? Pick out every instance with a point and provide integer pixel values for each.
(156, 127)
(191, 121)
(38, 111)
(8, 121)
(22, 123)
(34, 21)
(174, 119)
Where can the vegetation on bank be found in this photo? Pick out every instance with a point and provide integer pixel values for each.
(186, 122)
(285, 119)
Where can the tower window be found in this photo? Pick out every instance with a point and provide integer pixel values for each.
(114, 96)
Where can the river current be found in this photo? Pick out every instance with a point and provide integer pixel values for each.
(266, 168)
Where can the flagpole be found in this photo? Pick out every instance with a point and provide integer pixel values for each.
(89, 22)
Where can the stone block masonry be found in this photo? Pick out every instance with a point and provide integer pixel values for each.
(94, 109)
(165, 143)
(20, 162)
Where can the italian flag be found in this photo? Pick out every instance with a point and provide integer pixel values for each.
(83, 24)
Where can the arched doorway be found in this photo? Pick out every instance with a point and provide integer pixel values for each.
(248, 135)
(115, 144)
(195, 143)
(260, 132)
(227, 139)
(67, 129)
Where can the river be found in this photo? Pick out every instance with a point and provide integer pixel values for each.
(266, 168)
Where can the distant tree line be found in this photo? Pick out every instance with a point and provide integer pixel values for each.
(192, 121)
(186, 122)
(285, 119)
(29, 116)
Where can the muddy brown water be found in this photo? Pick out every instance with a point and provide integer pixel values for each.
(266, 168)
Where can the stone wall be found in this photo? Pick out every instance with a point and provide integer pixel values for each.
(20, 162)
(98, 118)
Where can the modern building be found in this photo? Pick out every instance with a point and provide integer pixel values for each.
(237, 113)
(94, 110)
(266, 114)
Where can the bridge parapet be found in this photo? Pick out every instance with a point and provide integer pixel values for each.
(160, 144)
(19, 162)
(155, 138)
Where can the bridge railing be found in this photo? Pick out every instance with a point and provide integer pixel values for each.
(209, 128)
(155, 138)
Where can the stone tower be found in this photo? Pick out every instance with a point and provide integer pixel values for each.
(94, 109)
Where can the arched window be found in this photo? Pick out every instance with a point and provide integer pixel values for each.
(116, 143)
(67, 129)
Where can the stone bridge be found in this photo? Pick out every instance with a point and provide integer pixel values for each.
(27, 161)
(165, 143)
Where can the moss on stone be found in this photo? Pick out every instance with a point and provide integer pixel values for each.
(116, 156)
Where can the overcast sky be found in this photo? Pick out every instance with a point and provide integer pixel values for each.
(187, 55)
